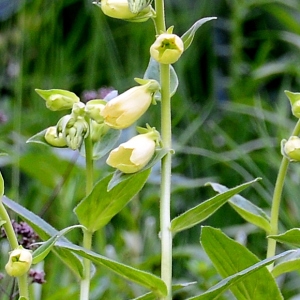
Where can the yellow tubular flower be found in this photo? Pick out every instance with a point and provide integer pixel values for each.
(122, 111)
(133, 155)
(19, 262)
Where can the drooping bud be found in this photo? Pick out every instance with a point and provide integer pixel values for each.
(94, 108)
(58, 99)
(120, 9)
(167, 48)
(127, 108)
(134, 155)
(291, 148)
(19, 262)
(55, 139)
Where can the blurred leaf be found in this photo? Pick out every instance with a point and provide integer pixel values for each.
(45, 231)
(205, 209)
(39, 138)
(143, 278)
(118, 176)
(103, 146)
(153, 72)
(247, 210)
(287, 264)
(97, 209)
(188, 36)
(175, 287)
(40, 253)
(291, 236)
(1, 186)
(237, 263)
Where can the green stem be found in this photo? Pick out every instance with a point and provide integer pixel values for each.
(166, 163)
(277, 199)
(11, 236)
(87, 235)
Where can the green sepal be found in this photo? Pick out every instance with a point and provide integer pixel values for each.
(153, 72)
(295, 102)
(188, 36)
(205, 209)
(246, 209)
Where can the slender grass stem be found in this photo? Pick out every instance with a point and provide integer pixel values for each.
(87, 235)
(11, 236)
(277, 199)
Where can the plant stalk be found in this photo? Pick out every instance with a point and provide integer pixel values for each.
(271, 251)
(87, 235)
(12, 239)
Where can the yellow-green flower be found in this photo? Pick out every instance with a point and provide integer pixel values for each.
(127, 108)
(291, 148)
(19, 262)
(54, 138)
(133, 155)
(167, 48)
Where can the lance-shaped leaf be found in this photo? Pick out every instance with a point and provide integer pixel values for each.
(153, 72)
(40, 253)
(244, 274)
(291, 236)
(188, 36)
(246, 209)
(140, 277)
(287, 264)
(202, 211)
(97, 209)
(46, 231)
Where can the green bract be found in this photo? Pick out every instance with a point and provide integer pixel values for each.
(58, 99)
(295, 102)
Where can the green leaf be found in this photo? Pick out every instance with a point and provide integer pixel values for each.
(175, 287)
(140, 277)
(247, 210)
(119, 177)
(103, 146)
(39, 138)
(188, 36)
(291, 236)
(246, 276)
(1, 186)
(202, 211)
(97, 209)
(287, 264)
(40, 253)
(153, 72)
(45, 231)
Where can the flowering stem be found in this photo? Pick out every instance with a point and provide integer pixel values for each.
(277, 199)
(11, 236)
(87, 235)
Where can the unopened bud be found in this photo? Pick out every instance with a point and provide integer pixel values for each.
(291, 148)
(19, 262)
(54, 138)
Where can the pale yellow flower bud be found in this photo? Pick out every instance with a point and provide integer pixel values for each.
(118, 9)
(58, 99)
(54, 138)
(127, 108)
(94, 108)
(291, 148)
(133, 155)
(19, 262)
(167, 48)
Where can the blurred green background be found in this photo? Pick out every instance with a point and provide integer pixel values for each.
(229, 116)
